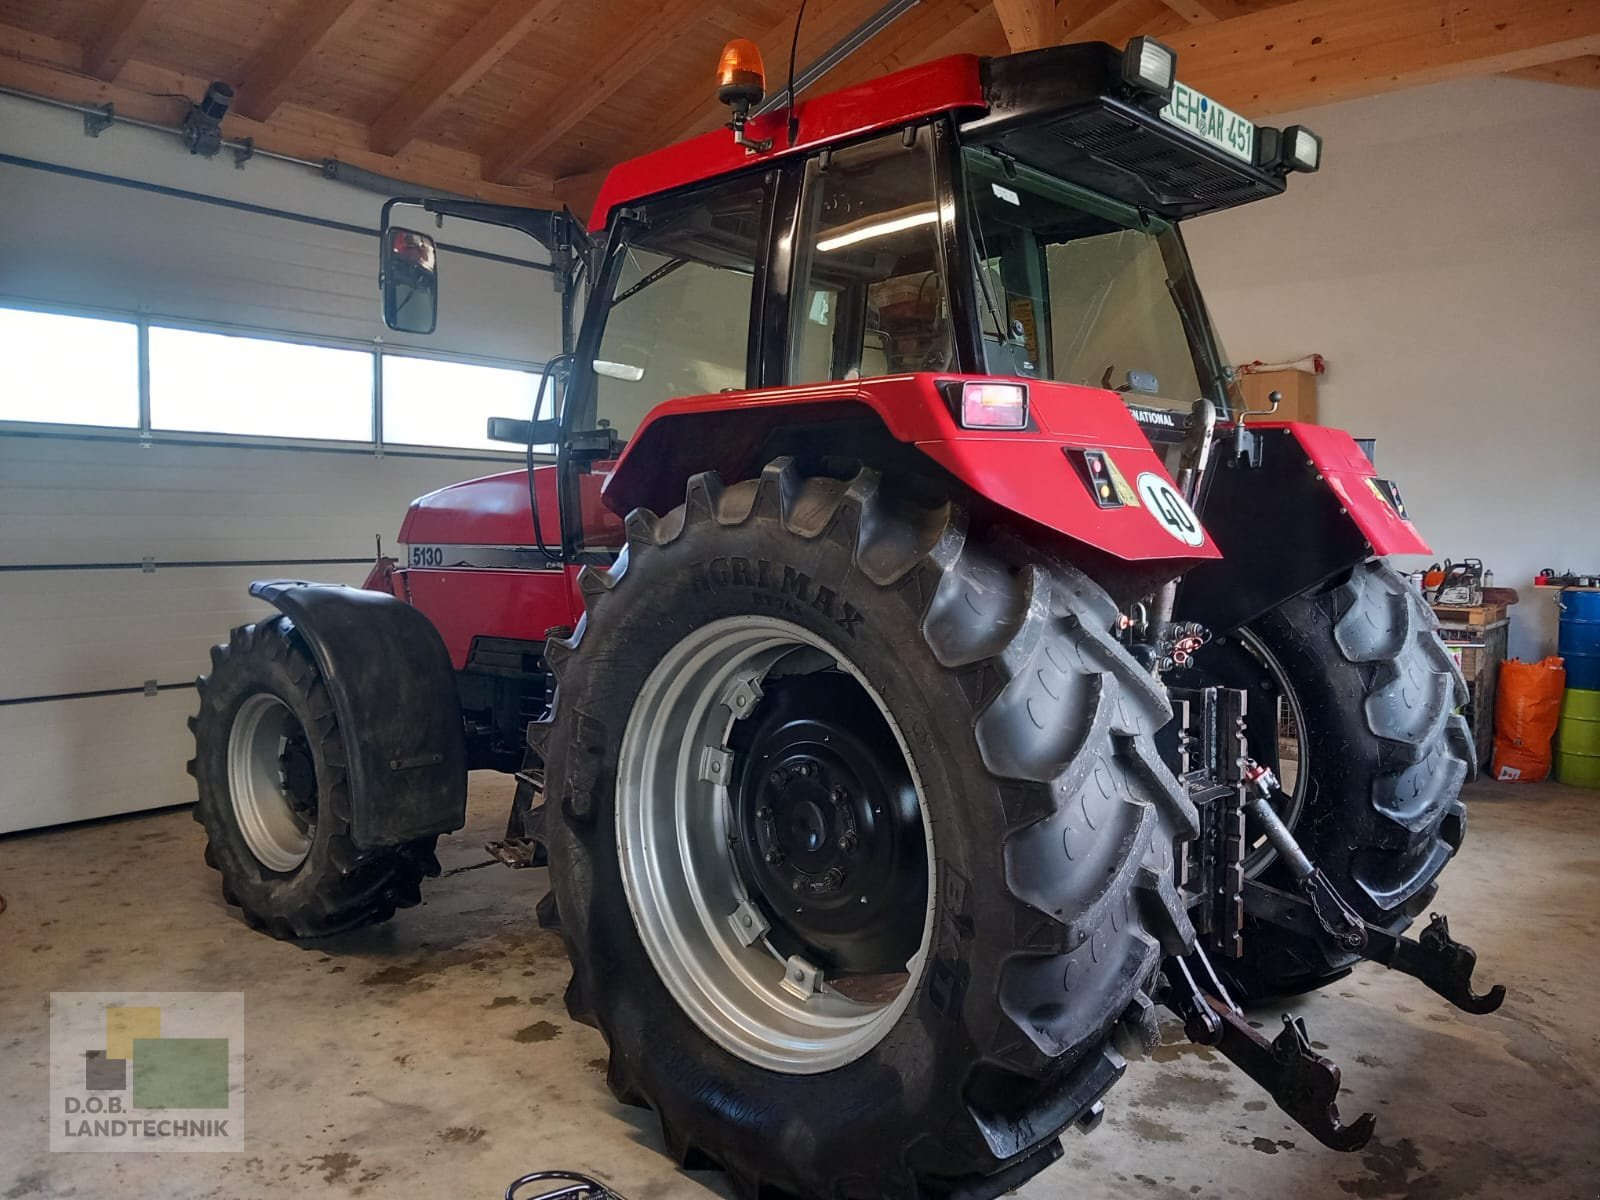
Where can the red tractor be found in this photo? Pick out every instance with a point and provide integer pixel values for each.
(916, 668)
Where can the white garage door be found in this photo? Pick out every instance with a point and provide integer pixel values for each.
(194, 395)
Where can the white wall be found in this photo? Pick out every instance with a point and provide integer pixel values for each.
(80, 617)
(65, 240)
(1446, 261)
(84, 628)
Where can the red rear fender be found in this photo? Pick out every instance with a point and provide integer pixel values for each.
(1340, 464)
(1025, 472)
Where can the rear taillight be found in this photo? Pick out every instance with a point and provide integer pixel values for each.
(1101, 476)
(993, 406)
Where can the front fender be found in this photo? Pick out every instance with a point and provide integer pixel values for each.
(1026, 473)
(394, 695)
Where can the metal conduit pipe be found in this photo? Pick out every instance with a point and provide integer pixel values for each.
(328, 168)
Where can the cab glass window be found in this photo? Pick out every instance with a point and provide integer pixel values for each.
(869, 295)
(1078, 288)
(679, 317)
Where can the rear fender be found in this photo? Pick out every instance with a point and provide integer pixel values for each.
(395, 698)
(1026, 473)
(1312, 507)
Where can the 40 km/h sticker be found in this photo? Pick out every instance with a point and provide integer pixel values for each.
(1170, 509)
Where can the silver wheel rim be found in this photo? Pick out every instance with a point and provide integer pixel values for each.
(256, 787)
(689, 904)
(1293, 759)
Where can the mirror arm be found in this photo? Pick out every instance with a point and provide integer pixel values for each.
(560, 233)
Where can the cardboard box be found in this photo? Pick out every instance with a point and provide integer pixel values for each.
(1299, 389)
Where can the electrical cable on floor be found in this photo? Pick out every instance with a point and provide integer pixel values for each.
(578, 1187)
(488, 862)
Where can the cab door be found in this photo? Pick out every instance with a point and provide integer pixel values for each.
(676, 311)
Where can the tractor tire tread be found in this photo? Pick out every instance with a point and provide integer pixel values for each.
(1064, 719)
(1382, 695)
(356, 887)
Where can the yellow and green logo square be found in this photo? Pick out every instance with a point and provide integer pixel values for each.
(147, 1071)
(172, 1072)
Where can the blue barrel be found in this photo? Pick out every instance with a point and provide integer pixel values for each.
(1579, 639)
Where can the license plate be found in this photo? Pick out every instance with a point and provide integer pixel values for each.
(1203, 116)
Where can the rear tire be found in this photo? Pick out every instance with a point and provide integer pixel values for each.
(1028, 730)
(1386, 755)
(274, 795)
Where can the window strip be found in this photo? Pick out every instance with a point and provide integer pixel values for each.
(145, 431)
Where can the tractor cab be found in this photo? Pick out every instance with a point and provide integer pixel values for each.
(1011, 219)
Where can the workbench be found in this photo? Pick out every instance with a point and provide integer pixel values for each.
(1476, 637)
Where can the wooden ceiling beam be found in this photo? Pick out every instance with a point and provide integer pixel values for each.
(1029, 24)
(629, 52)
(1117, 20)
(456, 70)
(264, 80)
(1321, 51)
(43, 66)
(974, 33)
(934, 31)
(105, 54)
(1205, 12)
(1583, 71)
(579, 192)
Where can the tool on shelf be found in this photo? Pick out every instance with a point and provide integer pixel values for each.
(1463, 583)
(1549, 577)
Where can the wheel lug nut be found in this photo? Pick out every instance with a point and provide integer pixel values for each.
(838, 795)
(774, 856)
(847, 843)
(775, 777)
(763, 813)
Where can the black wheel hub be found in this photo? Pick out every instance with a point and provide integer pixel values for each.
(828, 831)
(298, 770)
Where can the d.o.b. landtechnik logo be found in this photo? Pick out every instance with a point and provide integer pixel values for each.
(146, 1071)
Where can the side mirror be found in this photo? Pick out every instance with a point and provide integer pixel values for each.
(409, 276)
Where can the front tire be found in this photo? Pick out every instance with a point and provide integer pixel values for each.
(1039, 895)
(274, 795)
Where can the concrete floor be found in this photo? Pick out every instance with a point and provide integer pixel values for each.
(432, 1056)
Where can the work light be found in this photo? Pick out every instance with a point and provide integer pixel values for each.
(1302, 149)
(1148, 66)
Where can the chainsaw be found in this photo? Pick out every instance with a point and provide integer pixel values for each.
(1462, 584)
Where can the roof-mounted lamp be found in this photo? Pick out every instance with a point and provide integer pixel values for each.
(1302, 149)
(741, 84)
(1149, 70)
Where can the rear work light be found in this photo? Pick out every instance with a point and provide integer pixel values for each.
(1150, 67)
(993, 406)
(1302, 149)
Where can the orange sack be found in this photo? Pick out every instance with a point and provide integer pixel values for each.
(1526, 711)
